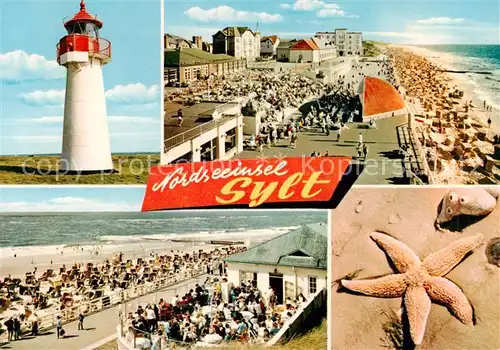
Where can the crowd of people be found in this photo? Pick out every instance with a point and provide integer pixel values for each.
(27, 301)
(211, 313)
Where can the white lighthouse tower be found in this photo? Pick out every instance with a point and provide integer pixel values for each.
(85, 131)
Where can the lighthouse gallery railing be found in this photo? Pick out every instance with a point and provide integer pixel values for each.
(83, 43)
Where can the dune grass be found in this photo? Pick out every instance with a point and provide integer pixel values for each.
(371, 48)
(129, 169)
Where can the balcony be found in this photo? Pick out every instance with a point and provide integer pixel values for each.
(96, 47)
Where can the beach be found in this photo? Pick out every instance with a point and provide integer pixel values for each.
(365, 322)
(472, 91)
(456, 133)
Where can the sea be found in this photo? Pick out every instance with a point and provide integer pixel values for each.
(477, 58)
(70, 229)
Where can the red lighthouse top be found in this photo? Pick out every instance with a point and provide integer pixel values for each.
(83, 16)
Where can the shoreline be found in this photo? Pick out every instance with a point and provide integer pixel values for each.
(27, 257)
(462, 81)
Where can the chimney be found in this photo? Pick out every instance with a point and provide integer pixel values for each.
(197, 42)
(165, 38)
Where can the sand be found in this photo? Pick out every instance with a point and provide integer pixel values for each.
(358, 321)
(463, 83)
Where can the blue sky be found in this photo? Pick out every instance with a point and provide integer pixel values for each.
(402, 22)
(32, 84)
(74, 198)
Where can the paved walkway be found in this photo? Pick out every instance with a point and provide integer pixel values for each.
(382, 166)
(98, 326)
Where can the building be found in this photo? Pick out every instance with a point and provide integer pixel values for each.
(186, 65)
(305, 51)
(176, 42)
(210, 131)
(85, 136)
(327, 49)
(291, 264)
(268, 45)
(283, 50)
(239, 42)
(207, 47)
(346, 43)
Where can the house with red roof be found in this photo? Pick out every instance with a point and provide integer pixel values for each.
(305, 51)
(268, 45)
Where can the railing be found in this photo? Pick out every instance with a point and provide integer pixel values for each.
(69, 314)
(192, 133)
(83, 43)
(137, 333)
(309, 313)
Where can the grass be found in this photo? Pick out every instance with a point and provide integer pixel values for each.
(130, 169)
(316, 339)
(371, 48)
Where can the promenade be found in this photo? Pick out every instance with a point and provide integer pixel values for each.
(98, 326)
(383, 166)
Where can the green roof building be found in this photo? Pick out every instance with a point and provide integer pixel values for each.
(291, 264)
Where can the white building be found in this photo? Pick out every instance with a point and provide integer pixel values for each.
(269, 45)
(346, 43)
(221, 137)
(240, 42)
(327, 49)
(304, 51)
(291, 264)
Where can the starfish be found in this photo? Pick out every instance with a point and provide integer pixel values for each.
(419, 282)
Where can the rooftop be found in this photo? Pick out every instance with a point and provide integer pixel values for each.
(83, 16)
(192, 56)
(306, 246)
(305, 44)
(192, 116)
(378, 96)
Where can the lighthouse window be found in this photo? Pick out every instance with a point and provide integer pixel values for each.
(91, 30)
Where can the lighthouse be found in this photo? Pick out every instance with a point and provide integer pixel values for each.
(85, 146)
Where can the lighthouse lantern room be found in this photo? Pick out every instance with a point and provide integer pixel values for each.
(83, 52)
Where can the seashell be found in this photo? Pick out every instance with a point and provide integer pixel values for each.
(359, 207)
(493, 251)
(476, 201)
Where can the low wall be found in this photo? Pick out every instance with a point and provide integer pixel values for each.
(48, 320)
(307, 317)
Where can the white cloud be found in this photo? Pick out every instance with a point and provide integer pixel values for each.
(285, 6)
(130, 94)
(36, 138)
(111, 118)
(324, 9)
(67, 204)
(133, 94)
(308, 5)
(226, 13)
(46, 120)
(324, 13)
(17, 66)
(133, 119)
(135, 135)
(44, 98)
(440, 20)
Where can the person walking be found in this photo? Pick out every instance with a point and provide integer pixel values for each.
(17, 329)
(365, 151)
(59, 327)
(80, 321)
(179, 117)
(339, 133)
(34, 326)
(10, 328)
